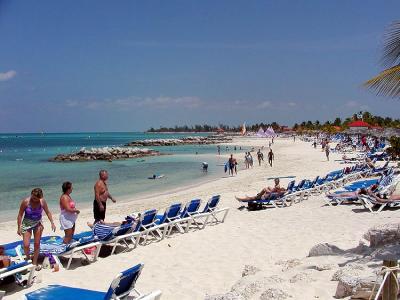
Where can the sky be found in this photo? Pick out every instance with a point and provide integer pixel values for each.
(71, 66)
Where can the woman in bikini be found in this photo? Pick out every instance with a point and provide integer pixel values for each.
(29, 221)
(69, 213)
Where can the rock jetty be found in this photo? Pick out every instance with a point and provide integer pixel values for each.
(191, 140)
(106, 153)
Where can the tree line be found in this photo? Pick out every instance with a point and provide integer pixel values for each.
(336, 125)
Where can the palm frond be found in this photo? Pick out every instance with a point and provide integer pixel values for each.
(391, 48)
(386, 83)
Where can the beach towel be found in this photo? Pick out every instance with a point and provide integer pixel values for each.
(103, 231)
(50, 244)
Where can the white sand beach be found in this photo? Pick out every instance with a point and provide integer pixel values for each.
(210, 261)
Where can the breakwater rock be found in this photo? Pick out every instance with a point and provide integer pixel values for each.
(191, 140)
(106, 153)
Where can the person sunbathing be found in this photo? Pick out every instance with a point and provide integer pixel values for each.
(5, 260)
(394, 197)
(370, 163)
(353, 194)
(264, 193)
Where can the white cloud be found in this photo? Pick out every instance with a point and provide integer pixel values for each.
(137, 102)
(352, 104)
(292, 104)
(7, 75)
(264, 104)
(71, 103)
(356, 105)
(164, 102)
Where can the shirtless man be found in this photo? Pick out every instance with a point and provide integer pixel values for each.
(270, 157)
(264, 192)
(101, 195)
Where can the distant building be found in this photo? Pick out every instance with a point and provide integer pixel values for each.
(358, 125)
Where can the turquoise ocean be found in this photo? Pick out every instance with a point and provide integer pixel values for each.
(24, 164)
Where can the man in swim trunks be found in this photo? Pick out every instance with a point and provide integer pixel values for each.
(260, 157)
(101, 195)
(270, 157)
(264, 193)
(231, 164)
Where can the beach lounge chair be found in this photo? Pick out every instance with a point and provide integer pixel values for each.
(82, 241)
(278, 200)
(148, 226)
(120, 235)
(336, 199)
(360, 184)
(171, 216)
(377, 171)
(191, 215)
(122, 287)
(371, 204)
(271, 200)
(16, 268)
(290, 186)
(14, 249)
(212, 209)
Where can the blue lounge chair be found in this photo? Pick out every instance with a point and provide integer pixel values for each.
(337, 199)
(271, 200)
(360, 184)
(376, 171)
(191, 208)
(116, 235)
(14, 249)
(148, 226)
(54, 245)
(18, 268)
(191, 214)
(122, 287)
(212, 209)
(172, 217)
(290, 186)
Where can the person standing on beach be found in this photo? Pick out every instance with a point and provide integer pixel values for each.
(231, 164)
(260, 156)
(250, 160)
(101, 195)
(270, 157)
(219, 149)
(29, 222)
(327, 151)
(69, 213)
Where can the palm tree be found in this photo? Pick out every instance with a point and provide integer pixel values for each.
(387, 83)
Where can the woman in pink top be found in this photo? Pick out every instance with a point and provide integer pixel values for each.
(69, 213)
